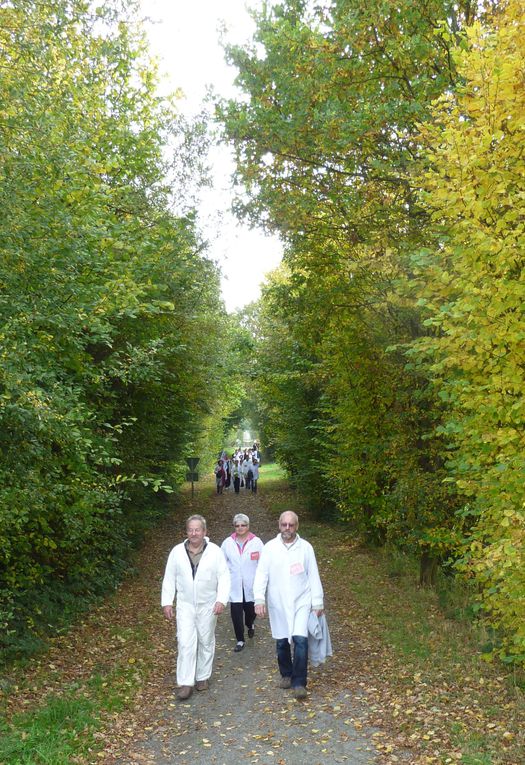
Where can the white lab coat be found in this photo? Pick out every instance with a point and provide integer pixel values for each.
(289, 577)
(242, 565)
(194, 612)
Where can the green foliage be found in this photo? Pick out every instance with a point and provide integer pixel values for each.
(108, 311)
(288, 390)
(383, 141)
(471, 289)
(324, 137)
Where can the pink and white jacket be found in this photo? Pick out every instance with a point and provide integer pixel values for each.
(242, 562)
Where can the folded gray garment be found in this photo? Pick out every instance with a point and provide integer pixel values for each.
(319, 643)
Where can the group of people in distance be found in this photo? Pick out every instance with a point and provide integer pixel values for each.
(280, 579)
(241, 470)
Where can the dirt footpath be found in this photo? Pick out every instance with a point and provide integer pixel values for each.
(244, 716)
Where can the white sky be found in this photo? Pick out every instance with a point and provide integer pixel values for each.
(184, 37)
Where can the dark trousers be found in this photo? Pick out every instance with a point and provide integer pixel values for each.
(236, 484)
(254, 485)
(245, 609)
(296, 668)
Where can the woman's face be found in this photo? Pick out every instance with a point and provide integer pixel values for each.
(241, 528)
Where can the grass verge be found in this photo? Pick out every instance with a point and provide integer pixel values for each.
(64, 729)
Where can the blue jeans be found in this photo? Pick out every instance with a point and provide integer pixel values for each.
(296, 669)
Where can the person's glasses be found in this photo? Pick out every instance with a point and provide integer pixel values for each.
(240, 524)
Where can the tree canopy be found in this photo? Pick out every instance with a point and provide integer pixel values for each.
(383, 142)
(111, 372)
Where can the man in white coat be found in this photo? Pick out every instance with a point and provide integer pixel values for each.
(288, 575)
(197, 575)
(242, 551)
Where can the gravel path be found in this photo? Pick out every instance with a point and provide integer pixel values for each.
(244, 717)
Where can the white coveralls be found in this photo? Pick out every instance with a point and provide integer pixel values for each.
(194, 612)
(289, 576)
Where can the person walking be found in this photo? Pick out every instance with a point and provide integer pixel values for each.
(237, 472)
(197, 575)
(241, 471)
(220, 475)
(227, 472)
(247, 469)
(255, 475)
(288, 576)
(242, 551)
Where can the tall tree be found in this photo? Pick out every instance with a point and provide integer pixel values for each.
(109, 312)
(471, 287)
(326, 139)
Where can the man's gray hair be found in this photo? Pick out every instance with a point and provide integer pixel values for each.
(290, 512)
(241, 517)
(196, 517)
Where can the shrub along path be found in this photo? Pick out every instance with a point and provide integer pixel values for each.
(404, 684)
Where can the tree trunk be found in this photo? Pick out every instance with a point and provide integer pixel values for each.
(428, 567)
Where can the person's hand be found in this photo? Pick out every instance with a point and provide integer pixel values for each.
(260, 610)
(218, 608)
(318, 611)
(168, 612)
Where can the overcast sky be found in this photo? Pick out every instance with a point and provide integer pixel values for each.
(184, 37)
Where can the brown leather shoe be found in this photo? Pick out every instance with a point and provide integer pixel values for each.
(184, 692)
(201, 685)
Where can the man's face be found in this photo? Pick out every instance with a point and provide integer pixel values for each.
(288, 527)
(195, 532)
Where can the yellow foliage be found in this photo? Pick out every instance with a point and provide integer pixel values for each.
(473, 287)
